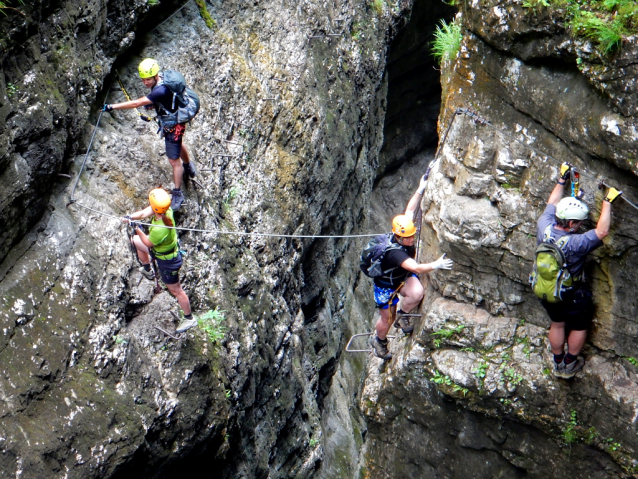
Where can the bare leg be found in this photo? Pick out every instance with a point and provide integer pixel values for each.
(178, 171)
(557, 338)
(383, 324)
(412, 293)
(177, 291)
(142, 250)
(184, 154)
(576, 340)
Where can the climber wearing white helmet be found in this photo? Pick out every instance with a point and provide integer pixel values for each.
(565, 295)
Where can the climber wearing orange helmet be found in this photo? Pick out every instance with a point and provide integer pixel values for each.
(161, 243)
(163, 100)
(399, 276)
(570, 307)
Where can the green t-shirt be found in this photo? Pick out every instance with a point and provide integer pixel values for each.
(163, 239)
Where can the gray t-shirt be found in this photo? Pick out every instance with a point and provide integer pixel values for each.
(578, 246)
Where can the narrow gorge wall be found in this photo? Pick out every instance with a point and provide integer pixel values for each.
(294, 91)
(477, 399)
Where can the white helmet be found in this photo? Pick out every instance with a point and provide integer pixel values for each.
(571, 209)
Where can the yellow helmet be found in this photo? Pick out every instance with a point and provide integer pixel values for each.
(148, 68)
(403, 226)
(160, 200)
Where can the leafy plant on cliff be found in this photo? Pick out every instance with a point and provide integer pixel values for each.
(607, 34)
(4, 5)
(211, 323)
(570, 435)
(447, 41)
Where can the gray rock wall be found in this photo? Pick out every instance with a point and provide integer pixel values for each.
(90, 387)
(470, 394)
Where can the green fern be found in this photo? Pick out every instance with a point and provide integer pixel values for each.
(210, 323)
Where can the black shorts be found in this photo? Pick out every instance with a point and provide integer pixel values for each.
(173, 146)
(169, 269)
(576, 310)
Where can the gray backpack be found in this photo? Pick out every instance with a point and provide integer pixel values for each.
(186, 100)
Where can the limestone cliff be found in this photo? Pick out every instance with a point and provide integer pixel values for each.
(286, 143)
(470, 393)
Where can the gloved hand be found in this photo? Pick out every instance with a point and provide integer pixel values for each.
(107, 107)
(565, 169)
(135, 224)
(126, 219)
(442, 263)
(145, 118)
(612, 194)
(422, 184)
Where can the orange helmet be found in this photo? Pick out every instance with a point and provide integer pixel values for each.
(403, 226)
(160, 200)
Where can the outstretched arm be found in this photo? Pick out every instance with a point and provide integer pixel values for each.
(131, 104)
(557, 192)
(441, 263)
(604, 222)
(414, 202)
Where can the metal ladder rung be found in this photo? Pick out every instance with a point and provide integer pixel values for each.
(361, 350)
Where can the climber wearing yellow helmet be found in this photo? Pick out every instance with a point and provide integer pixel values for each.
(165, 96)
(162, 244)
(398, 276)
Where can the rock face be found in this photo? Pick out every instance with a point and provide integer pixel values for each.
(470, 394)
(286, 143)
(54, 58)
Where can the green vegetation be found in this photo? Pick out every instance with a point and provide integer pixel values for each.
(205, 14)
(152, 3)
(448, 333)
(604, 22)
(227, 393)
(447, 41)
(444, 379)
(612, 445)
(210, 323)
(481, 371)
(313, 442)
(631, 360)
(11, 89)
(5, 5)
(377, 6)
(570, 434)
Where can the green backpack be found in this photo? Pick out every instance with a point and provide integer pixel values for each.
(550, 276)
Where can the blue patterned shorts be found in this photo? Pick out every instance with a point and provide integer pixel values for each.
(382, 297)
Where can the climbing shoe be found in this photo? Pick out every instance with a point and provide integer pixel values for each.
(185, 325)
(177, 199)
(404, 323)
(380, 348)
(572, 368)
(559, 368)
(189, 169)
(148, 273)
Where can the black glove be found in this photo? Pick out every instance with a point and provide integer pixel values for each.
(135, 225)
(107, 107)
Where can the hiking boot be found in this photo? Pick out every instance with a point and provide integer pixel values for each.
(572, 368)
(148, 274)
(559, 369)
(405, 324)
(189, 169)
(185, 325)
(380, 348)
(177, 198)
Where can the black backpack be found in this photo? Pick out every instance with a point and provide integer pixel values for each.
(373, 254)
(186, 100)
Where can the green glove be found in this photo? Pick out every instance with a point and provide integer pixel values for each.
(565, 168)
(612, 194)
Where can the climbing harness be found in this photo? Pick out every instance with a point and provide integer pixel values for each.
(482, 121)
(128, 98)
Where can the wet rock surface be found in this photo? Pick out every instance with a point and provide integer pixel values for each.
(470, 393)
(286, 143)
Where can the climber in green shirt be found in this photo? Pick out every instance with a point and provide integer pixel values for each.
(161, 244)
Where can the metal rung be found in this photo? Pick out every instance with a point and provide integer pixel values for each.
(403, 315)
(361, 350)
